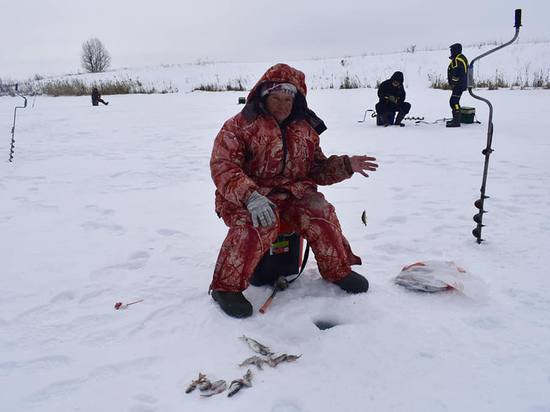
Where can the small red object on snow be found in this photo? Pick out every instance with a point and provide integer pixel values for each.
(122, 305)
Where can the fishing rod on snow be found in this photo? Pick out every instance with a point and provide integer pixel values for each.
(12, 146)
(282, 283)
(479, 204)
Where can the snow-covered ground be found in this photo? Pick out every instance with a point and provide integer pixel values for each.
(109, 204)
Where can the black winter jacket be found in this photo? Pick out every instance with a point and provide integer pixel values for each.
(387, 89)
(457, 72)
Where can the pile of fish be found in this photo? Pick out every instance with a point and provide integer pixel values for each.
(268, 355)
(214, 388)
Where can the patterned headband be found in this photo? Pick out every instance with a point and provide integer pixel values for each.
(273, 87)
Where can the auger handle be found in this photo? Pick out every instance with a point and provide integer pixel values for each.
(518, 19)
(268, 302)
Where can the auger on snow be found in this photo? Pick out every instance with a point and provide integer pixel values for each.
(373, 114)
(12, 146)
(479, 204)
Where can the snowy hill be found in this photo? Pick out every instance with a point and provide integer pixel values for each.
(115, 204)
(519, 65)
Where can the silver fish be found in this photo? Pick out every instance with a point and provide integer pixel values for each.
(235, 387)
(254, 360)
(256, 346)
(364, 217)
(238, 384)
(216, 388)
(247, 378)
(275, 361)
(194, 383)
(292, 358)
(204, 385)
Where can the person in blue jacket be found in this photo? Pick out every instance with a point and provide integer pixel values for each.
(457, 75)
(392, 100)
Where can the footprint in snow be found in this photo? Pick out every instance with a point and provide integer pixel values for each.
(136, 260)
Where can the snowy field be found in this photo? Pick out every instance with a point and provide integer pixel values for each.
(109, 204)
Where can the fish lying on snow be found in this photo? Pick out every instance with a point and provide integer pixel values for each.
(256, 346)
(195, 383)
(238, 384)
(269, 356)
(254, 360)
(216, 388)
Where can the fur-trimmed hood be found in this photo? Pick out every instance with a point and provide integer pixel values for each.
(283, 73)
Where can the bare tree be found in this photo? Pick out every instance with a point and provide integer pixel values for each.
(95, 58)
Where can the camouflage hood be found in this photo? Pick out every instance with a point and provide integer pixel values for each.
(283, 73)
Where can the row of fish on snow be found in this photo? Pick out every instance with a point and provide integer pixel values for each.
(214, 388)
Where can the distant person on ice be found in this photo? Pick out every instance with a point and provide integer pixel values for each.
(457, 75)
(266, 164)
(96, 98)
(392, 100)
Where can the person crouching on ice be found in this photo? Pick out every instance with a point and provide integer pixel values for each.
(391, 94)
(266, 164)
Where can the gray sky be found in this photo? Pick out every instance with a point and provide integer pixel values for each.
(45, 37)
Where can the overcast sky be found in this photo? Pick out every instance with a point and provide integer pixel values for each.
(45, 37)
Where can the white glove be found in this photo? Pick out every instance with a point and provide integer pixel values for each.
(261, 210)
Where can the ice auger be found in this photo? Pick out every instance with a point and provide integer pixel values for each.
(479, 204)
(12, 146)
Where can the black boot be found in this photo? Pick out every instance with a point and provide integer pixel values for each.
(233, 303)
(399, 119)
(353, 283)
(456, 120)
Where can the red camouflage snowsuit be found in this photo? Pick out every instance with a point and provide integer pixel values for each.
(252, 152)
